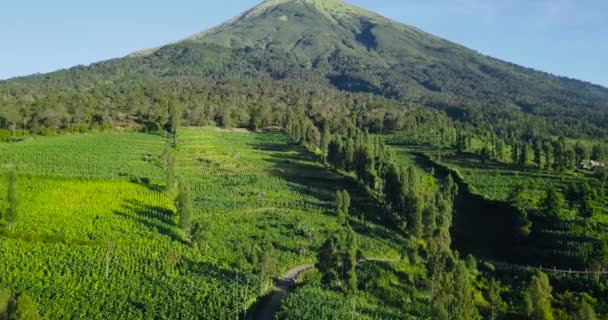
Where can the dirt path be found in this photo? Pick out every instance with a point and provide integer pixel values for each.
(282, 286)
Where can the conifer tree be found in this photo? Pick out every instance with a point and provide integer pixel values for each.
(586, 312)
(494, 299)
(184, 206)
(328, 262)
(13, 200)
(350, 260)
(169, 166)
(325, 141)
(537, 298)
(25, 309)
(553, 203)
(267, 265)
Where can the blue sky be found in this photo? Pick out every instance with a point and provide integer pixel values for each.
(563, 37)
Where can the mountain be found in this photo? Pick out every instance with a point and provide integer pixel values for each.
(340, 46)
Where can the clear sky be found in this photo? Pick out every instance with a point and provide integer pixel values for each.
(563, 37)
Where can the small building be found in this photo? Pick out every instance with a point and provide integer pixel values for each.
(591, 165)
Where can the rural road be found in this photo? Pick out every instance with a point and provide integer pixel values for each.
(281, 288)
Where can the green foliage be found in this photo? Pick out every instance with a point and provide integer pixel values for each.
(6, 304)
(26, 309)
(13, 200)
(337, 260)
(537, 298)
(184, 207)
(169, 167)
(267, 266)
(586, 312)
(495, 301)
(22, 308)
(553, 203)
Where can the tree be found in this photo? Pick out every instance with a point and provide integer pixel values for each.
(517, 195)
(588, 208)
(325, 141)
(342, 205)
(198, 233)
(350, 260)
(581, 153)
(328, 262)
(553, 203)
(494, 299)
(588, 197)
(174, 118)
(524, 154)
(13, 200)
(349, 154)
(184, 206)
(515, 153)
(22, 309)
(313, 137)
(597, 152)
(414, 209)
(586, 312)
(267, 265)
(464, 300)
(547, 150)
(169, 166)
(334, 153)
(345, 208)
(537, 298)
(26, 309)
(538, 154)
(6, 304)
(226, 118)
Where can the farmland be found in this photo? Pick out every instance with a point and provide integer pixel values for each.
(103, 239)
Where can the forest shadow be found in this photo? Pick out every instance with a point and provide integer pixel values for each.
(306, 175)
(155, 218)
(145, 182)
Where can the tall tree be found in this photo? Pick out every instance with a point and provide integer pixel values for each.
(349, 155)
(169, 166)
(267, 265)
(464, 300)
(328, 261)
(537, 298)
(25, 309)
(494, 299)
(597, 152)
(184, 206)
(13, 200)
(548, 151)
(350, 260)
(325, 141)
(6, 304)
(538, 154)
(553, 203)
(586, 312)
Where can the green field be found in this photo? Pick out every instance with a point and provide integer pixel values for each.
(111, 155)
(74, 226)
